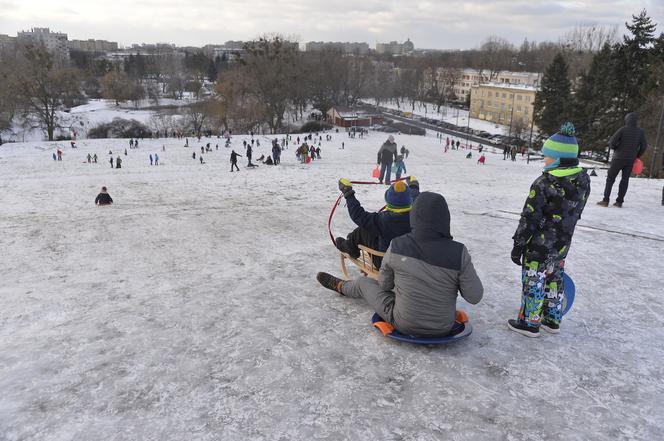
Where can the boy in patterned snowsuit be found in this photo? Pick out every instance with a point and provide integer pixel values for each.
(542, 239)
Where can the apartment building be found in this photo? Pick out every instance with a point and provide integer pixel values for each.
(92, 45)
(503, 103)
(54, 42)
(473, 77)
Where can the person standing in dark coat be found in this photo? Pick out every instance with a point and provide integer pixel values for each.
(629, 143)
(387, 154)
(103, 198)
(249, 153)
(234, 161)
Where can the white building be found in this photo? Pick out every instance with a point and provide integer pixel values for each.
(54, 42)
(343, 47)
(395, 48)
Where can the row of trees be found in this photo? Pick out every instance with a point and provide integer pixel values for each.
(623, 77)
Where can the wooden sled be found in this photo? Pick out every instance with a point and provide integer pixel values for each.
(364, 262)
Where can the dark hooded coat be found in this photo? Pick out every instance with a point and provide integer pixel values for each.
(426, 269)
(629, 142)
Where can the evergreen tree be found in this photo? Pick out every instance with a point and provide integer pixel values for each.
(597, 108)
(636, 53)
(552, 101)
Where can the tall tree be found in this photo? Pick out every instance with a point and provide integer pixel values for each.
(553, 101)
(44, 87)
(270, 70)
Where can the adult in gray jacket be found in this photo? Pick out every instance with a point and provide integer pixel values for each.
(387, 154)
(421, 274)
(629, 143)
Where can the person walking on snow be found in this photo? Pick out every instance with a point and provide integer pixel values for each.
(401, 167)
(629, 143)
(118, 162)
(94, 158)
(387, 154)
(111, 161)
(89, 158)
(421, 275)
(156, 159)
(542, 239)
(150, 158)
(103, 198)
(234, 157)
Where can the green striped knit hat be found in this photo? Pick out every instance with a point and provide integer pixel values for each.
(563, 144)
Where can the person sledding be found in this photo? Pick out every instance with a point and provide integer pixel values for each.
(542, 240)
(376, 230)
(103, 198)
(420, 276)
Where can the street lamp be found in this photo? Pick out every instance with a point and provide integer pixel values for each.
(511, 115)
(655, 151)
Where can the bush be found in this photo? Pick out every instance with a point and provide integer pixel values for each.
(120, 128)
(314, 126)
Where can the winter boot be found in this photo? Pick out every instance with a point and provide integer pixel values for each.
(603, 203)
(330, 282)
(523, 329)
(551, 328)
(617, 204)
(342, 245)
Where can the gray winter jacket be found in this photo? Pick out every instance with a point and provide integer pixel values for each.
(387, 153)
(629, 142)
(426, 268)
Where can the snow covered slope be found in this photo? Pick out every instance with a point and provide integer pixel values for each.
(189, 309)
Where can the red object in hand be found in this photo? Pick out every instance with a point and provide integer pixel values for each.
(637, 168)
(376, 172)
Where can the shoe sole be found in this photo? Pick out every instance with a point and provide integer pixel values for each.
(522, 332)
(550, 330)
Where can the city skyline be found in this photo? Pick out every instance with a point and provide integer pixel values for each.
(429, 24)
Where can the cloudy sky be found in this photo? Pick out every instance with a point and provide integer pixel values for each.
(430, 24)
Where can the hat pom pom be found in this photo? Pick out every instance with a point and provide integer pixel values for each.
(567, 129)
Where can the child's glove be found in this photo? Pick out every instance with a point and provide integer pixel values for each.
(517, 253)
(413, 183)
(346, 187)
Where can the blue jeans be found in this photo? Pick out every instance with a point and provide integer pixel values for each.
(385, 172)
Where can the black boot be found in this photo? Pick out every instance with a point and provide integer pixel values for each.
(344, 247)
(330, 282)
(523, 329)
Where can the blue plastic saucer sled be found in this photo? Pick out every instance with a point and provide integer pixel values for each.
(461, 329)
(569, 291)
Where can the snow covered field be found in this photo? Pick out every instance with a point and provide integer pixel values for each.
(189, 310)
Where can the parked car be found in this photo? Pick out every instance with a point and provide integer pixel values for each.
(496, 139)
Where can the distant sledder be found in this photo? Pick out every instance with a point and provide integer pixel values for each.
(103, 198)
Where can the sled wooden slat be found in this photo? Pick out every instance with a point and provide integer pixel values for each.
(364, 262)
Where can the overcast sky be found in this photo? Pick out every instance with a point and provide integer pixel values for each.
(438, 24)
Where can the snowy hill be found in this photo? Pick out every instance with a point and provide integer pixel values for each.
(190, 309)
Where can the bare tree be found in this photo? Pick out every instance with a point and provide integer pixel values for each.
(43, 87)
(270, 71)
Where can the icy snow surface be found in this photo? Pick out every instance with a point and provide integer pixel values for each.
(189, 310)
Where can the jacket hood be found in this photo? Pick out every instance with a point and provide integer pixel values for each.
(631, 119)
(430, 217)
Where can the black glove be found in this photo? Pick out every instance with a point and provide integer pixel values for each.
(346, 187)
(413, 182)
(516, 255)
